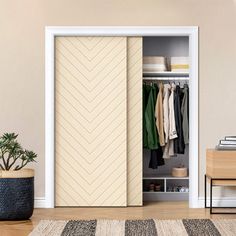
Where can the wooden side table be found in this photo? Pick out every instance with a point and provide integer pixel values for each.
(221, 171)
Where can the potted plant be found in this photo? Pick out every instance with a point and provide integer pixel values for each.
(16, 183)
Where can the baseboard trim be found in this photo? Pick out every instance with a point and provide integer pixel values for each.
(218, 202)
(39, 202)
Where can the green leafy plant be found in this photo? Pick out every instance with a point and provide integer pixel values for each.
(12, 155)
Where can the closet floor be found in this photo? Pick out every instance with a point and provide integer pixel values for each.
(157, 210)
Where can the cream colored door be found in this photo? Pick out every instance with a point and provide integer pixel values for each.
(134, 102)
(91, 121)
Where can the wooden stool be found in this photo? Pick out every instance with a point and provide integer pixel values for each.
(221, 171)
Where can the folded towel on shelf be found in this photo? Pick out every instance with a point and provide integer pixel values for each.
(154, 64)
(179, 64)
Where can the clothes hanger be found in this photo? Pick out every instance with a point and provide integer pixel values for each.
(186, 84)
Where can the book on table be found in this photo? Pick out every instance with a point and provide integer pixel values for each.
(227, 142)
(231, 138)
(225, 147)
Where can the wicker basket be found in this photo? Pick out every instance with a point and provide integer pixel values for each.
(17, 194)
(179, 172)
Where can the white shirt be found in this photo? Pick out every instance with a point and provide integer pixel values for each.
(172, 127)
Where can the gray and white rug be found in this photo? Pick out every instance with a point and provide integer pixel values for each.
(185, 227)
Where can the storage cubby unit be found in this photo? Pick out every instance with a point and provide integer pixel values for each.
(172, 188)
(165, 194)
(148, 181)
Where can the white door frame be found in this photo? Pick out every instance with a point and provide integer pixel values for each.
(52, 32)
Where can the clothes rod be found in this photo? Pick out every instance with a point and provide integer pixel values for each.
(166, 74)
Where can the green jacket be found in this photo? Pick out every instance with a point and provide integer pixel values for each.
(152, 139)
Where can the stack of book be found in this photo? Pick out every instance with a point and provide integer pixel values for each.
(229, 143)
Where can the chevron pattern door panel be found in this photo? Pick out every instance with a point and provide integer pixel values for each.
(134, 101)
(91, 118)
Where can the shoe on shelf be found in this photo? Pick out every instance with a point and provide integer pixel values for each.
(151, 187)
(157, 188)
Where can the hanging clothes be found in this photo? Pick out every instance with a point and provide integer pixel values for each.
(156, 158)
(155, 93)
(152, 137)
(172, 127)
(166, 95)
(179, 145)
(160, 116)
(185, 113)
(165, 121)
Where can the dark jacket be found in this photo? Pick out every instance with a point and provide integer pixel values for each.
(179, 145)
(156, 158)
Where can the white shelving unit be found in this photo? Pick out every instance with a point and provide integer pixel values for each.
(164, 177)
(164, 194)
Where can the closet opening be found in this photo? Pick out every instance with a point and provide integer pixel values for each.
(166, 66)
(173, 41)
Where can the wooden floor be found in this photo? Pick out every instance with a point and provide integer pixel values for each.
(160, 210)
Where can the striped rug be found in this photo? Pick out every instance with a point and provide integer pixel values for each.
(193, 227)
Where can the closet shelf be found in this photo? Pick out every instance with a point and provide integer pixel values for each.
(165, 196)
(161, 192)
(164, 177)
(164, 74)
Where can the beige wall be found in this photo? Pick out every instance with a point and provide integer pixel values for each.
(22, 25)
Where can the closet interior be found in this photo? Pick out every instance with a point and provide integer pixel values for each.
(165, 118)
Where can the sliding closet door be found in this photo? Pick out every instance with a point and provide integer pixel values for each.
(135, 149)
(91, 118)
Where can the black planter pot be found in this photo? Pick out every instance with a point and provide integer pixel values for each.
(16, 196)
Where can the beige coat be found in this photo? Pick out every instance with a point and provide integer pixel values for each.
(166, 94)
(159, 114)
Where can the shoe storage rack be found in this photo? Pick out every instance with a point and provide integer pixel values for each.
(168, 184)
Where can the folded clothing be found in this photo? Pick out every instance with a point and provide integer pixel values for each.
(179, 64)
(154, 64)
